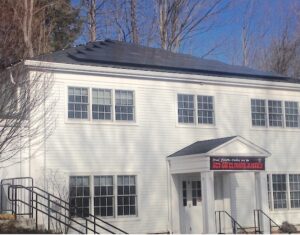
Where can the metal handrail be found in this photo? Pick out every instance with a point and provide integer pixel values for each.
(74, 207)
(233, 221)
(256, 213)
(57, 202)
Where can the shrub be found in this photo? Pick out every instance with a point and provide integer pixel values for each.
(288, 228)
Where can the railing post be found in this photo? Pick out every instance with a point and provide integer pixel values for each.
(270, 226)
(94, 224)
(86, 227)
(258, 220)
(48, 212)
(16, 194)
(220, 230)
(36, 212)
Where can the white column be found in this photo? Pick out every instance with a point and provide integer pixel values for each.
(262, 199)
(208, 202)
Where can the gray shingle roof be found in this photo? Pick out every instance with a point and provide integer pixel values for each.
(129, 55)
(201, 147)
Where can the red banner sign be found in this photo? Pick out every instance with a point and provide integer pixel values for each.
(237, 163)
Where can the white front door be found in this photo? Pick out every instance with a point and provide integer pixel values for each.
(191, 204)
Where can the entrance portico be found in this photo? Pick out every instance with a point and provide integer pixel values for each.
(201, 176)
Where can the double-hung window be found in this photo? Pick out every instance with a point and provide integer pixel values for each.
(127, 199)
(103, 196)
(79, 196)
(185, 108)
(205, 109)
(258, 112)
(291, 114)
(295, 190)
(284, 191)
(78, 103)
(275, 113)
(101, 107)
(279, 191)
(124, 105)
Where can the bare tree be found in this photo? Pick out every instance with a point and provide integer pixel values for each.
(282, 54)
(133, 19)
(180, 20)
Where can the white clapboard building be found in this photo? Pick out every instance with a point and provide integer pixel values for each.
(152, 141)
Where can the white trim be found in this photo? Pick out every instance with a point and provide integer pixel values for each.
(167, 76)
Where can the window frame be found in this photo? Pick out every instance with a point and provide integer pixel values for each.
(283, 107)
(75, 197)
(115, 216)
(288, 192)
(285, 114)
(208, 110)
(195, 99)
(90, 119)
(88, 104)
(133, 105)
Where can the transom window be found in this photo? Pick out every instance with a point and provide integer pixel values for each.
(103, 195)
(78, 102)
(124, 105)
(126, 195)
(275, 113)
(291, 114)
(205, 109)
(101, 107)
(258, 112)
(280, 195)
(185, 108)
(79, 196)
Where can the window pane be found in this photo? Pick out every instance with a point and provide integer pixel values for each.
(275, 113)
(185, 108)
(104, 195)
(127, 197)
(205, 109)
(78, 103)
(124, 106)
(79, 196)
(279, 191)
(101, 104)
(295, 190)
(258, 112)
(291, 114)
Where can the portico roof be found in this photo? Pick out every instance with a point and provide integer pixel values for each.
(227, 146)
(197, 156)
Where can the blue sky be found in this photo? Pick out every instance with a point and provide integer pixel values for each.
(267, 16)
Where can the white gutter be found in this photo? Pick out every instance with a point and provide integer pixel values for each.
(165, 76)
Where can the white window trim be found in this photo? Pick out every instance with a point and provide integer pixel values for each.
(114, 218)
(195, 124)
(267, 127)
(288, 208)
(90, 119)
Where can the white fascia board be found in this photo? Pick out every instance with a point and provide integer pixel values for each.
(187, 156)
(165, 76)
